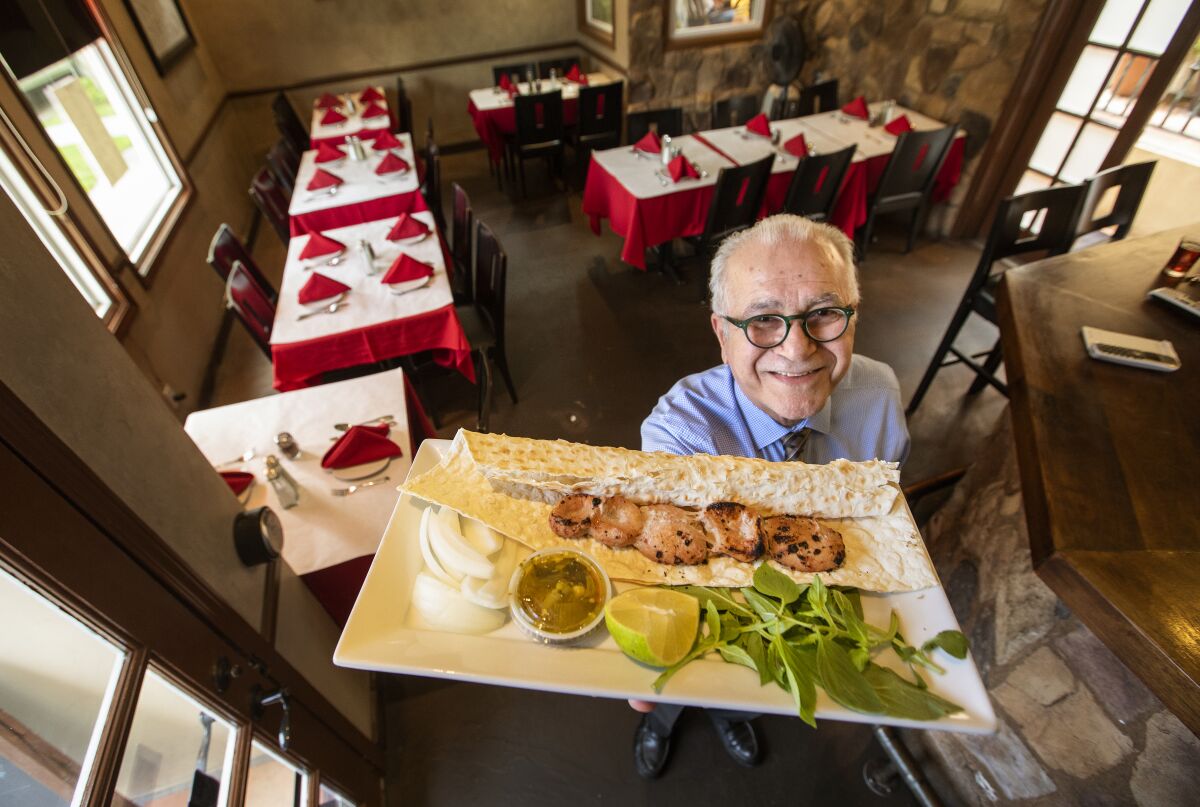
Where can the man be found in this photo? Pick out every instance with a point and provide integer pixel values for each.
(784, 302)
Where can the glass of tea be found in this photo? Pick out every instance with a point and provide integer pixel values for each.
(1185, 256)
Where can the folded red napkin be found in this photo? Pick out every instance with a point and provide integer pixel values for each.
(319, 287)
(680, 168)
(899, 126)
(238, 481)
(406, 268)
(359, 445)
(328, 101)
(327, 152)
(797, 146)
(332, 116)
(319, 245)
(323, 179)
(407, 227)
(373, 111)
(760, 124)
(390, 164)
(857, 108)
(649, 144)
(505, 82)
(386, 140)
(574, 75)
(370, 94)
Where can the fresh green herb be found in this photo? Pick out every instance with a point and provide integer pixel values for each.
(804, 636)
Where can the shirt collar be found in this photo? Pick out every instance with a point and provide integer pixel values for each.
(764, 429)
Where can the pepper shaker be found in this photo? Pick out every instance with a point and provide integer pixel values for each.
(285, 486)
(287, 444)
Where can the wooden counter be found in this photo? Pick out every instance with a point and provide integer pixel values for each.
(1110, 456)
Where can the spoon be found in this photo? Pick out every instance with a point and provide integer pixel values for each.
(330, 191)
(247, 455)
(329, 309)
(358, 487)
(381, 419)
(334, 261)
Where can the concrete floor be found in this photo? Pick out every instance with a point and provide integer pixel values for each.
(592, 345)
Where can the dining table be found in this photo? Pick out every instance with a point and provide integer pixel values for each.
(493, 111)
(353, 108)
(624, 186)
(362, 195)
(371, 322)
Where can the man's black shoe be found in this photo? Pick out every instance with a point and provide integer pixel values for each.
(739, 740)
(650, 750)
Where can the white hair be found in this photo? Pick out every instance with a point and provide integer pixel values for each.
(784, 229)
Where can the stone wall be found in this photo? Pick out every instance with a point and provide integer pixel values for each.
(1075, 725)
(954, 60)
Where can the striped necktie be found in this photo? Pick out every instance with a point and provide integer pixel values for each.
(794, 444)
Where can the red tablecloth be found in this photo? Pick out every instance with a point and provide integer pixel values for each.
(645, 223)
(364, 134)
(384, 207)
(493, 124)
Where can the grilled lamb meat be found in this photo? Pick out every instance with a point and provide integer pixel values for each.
(572, 517)
(618, 523)
(802, 544)
(734, 530)
(672, 536)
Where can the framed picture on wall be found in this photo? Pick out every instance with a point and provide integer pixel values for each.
(597, 20)
(163, 28)
(690, 23)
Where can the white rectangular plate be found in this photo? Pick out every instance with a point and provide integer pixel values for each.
(382, 636)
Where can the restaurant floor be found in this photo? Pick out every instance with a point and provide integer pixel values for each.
(592, 344)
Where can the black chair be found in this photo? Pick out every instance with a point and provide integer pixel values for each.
(483, 318)
(460, 246)
(539, 130)
(560, 66)
(225, 249)
(432, 189)
(283, 163)
(734, 111)
(289, 123)
(907, 181)
(667, 121)
(819, 97)
(599, 117)
(519, 69)
(1132, 181)
(248, 299)
(272, 202)
(404, 113)
(816, 182)
(1055, 210)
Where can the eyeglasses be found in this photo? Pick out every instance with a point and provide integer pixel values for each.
(820, 325)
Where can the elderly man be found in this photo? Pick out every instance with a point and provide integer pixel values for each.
(784, 300)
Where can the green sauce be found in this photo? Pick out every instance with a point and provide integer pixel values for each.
(559, 593)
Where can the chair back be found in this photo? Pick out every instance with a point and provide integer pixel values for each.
(561, 66)
(819, 97)
(491, 272)
(667, 121)
(404, 113)
(1055, 209)
(1132, 181)
(539, 118)
(600, 114)
(738, 198)
(914, 164)
(734, 111)
(460, 245)
(226, 249)
(432, 189)
(816, 182)
(246, 297)
(272, 202)
(283, 164)
(289, 124)
(518, 68)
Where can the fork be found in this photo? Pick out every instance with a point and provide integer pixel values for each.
(328, 309)
(330, 191)
(358, 487)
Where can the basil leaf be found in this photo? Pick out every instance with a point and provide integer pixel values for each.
(855, 598)
(765, 608)
(774, 583)
(860, 656)
(902, 699)
(721, 597)
(775, 664)
(818, 596)
(855, 627)
(731, 628)
(712, 620)
(801, 669)
(952, 641)
(752, 643)
(842, 681)
(736, 655)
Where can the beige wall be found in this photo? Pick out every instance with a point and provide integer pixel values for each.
(1173, 180)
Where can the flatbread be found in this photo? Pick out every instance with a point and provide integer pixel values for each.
(511, 484)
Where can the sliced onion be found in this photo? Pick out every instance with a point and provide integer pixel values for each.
(431, 561)
(445, 608)
(454, 553)
(493, 593)
(482, 537)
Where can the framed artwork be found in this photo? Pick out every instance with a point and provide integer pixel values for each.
(163, 28)
(597, 20)
(691, 23)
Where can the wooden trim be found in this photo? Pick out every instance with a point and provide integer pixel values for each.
(710, 40)
(102, 781)
(1048, 63)
(176, 52)
(604, 60)
(37, 759)
(270, 610)
(241, 763)
(586, 27)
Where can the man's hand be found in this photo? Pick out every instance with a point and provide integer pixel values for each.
(641, 706)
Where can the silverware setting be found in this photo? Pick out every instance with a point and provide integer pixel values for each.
(389, 419)
(330, 308)
(358, 487)
(341, 257)
(330, 191)
(398, 292)
(246, 456)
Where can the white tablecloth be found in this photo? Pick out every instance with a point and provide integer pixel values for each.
(490, 98)
(354, 122)
(369, 301)
(643, 175)
(360, 183)
(322, 530)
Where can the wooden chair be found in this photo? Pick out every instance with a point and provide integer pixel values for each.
(560, 66)
(907, 181)
(271, 202)
(483, 318)
(1132, 181)
(404, 113)
(289, 124)
(432, 188)
(1056, 209)
(519, 69)
(249, 301)
(539, 131)
(226, 249)
(283, 163)
(667, 121)
(599, 118)
(460, 246)
(816, 182)
(734, 111)
(819, 97)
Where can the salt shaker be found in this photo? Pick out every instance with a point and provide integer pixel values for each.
(287, 444)
(352, 146)
(368, 252)
(285, 486)
(665, 151)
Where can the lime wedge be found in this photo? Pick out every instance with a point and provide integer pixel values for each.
(656, 626)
